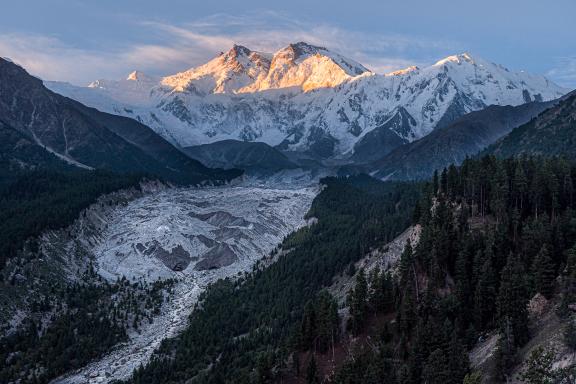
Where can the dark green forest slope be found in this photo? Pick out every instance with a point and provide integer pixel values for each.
(32, 202)
(495, 233)
(551, 133)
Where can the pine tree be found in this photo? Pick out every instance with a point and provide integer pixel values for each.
(519, 186)
(444, 181)
(308, 326)
(458, 363)
(327, 321)
(312, 371)
(570, 335)
(435, 183)
(544, 272)
(513, 299)
(296, 363)
(499, 199)
(485, 296)
(358, 303)
(406, 264)
(376, 291)
(506, 349)
(417, 214)
(436, 369)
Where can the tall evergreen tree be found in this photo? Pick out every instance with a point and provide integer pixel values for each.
(544, 272)
(485, 297)
(358, 302)
(458, 363)
(513, 300)
(312, 371)
(436, 370)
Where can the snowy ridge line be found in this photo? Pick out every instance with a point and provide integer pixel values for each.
(306, 98)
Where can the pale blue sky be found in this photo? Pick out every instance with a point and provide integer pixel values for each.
(82, 40)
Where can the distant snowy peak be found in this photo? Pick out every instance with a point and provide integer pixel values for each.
(299, 52)
(133, 78)
(133, 90)
(457, 59)
(306, 67)
(226, 73)
(309, 99)
(241, 70)
(405, 71)
(139, 76)
(493, 83)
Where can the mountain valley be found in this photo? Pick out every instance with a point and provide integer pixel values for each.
(287, 217)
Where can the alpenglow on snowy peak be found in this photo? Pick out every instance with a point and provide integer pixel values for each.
(311, 100)
(241, 70)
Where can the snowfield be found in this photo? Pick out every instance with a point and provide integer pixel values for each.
(196, 236)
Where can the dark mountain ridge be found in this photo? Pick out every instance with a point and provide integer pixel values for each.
(465, 137)
(552, 133)
(253, 157)
(35, 117)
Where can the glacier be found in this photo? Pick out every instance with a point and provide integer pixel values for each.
(248, 220)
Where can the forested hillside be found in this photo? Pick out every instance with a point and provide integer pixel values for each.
(32, 202)
(76, 323)
(495, 233)
(552, 133)
(243, 331)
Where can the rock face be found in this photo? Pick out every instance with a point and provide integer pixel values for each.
(176, 259)
(311, 100)
(218, 256)
(385, 258)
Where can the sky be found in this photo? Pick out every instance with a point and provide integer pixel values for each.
(83, 40)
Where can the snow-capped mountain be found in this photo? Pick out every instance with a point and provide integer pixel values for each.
(308, 99)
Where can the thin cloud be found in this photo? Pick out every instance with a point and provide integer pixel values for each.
(564, 72)
(268, 31)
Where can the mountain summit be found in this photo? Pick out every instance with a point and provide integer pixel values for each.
(241, 70)
(310, 100)
(226, 73)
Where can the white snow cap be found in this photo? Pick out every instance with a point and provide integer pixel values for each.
(136, 75)
(305, 94)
